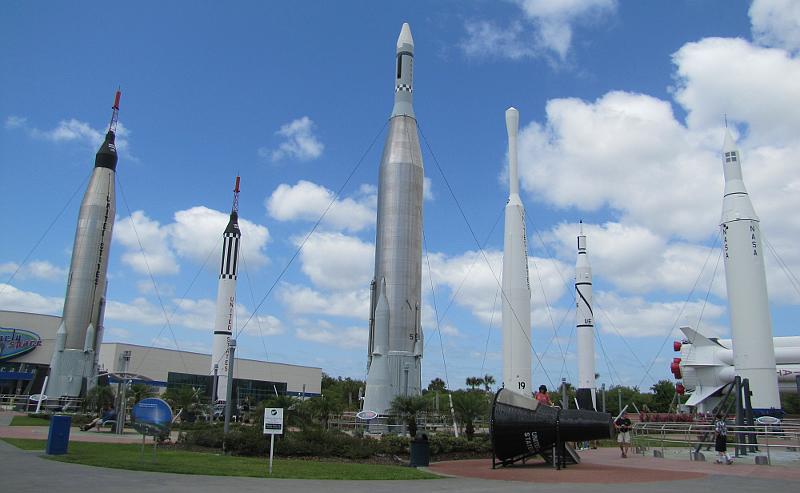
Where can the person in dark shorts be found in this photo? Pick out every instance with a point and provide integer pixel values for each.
(721, 440)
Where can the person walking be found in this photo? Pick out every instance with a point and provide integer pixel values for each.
(721, 440)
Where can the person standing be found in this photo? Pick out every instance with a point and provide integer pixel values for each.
(623, 426)
(542, 396)
(721, 440)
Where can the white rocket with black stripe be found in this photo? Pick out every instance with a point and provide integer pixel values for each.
(746, 282)
(226, 297)
(584, 326)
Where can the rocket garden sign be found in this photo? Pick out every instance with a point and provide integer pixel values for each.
(16, 342)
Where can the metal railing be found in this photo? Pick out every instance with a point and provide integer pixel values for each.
(24, 403)
(694, 436)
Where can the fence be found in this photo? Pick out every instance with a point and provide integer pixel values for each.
(761, 440)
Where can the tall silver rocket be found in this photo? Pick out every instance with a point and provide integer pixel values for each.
(584, 325)
(395, 334)
(226, 298)
(73, 367)
(746, 281)
(516, 283)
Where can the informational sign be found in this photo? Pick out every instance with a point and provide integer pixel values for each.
(152, 416)
(273, 421)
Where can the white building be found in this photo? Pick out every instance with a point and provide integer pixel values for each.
(27, 341)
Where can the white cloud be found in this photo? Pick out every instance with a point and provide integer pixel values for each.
(73, 130)
(146, 243)
(197, 233)
(300, 142)
(13, 121)
(547, 29)
(35, 269)
(337, 262)
(307, 201)
(641, 161)
(776, 23)
(325, 334)
(634, 317)
(304, 300)
(487, 39)
(752, 85)
(18, 300)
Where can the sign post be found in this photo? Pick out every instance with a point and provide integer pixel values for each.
(273, 425)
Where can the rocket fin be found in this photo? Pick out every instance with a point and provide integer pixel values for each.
(698, 339)
(702, 393)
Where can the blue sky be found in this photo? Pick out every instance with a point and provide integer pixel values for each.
(621, 117)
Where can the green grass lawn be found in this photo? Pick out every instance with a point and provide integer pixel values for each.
(28, 421)
(129, 456)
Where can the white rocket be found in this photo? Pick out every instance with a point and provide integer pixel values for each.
(748, 304)
(73, 367)
(584, 324)
(397, 285)
(705, 366)
(516, 284)
(226, 297)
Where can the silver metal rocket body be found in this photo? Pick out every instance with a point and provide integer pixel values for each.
(74, 362)
(746, 282)
(398, 248)
(226, 304)
(584, 325)
(516, 283)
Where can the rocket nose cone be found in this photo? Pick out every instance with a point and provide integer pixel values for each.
(233, 224)
(405, 36)
(106, 156)
(729, 144)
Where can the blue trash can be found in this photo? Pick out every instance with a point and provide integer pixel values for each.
(58, 436)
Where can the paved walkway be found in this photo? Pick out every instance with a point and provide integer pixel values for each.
(604, 465)
(29, 471)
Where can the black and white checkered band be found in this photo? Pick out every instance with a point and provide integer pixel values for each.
(403, 87)
(227, 276)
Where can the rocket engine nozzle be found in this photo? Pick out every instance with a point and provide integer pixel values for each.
(676, 346)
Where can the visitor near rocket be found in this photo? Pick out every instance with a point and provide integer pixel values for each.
(746, 281)
(584, 324)
(226, 297)
(395, 321)
(516, 284)
(73, 367)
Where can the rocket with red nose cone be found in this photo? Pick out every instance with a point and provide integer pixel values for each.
(73, 366)
(226, 297)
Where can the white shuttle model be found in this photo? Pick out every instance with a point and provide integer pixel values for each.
(73, 367)
(226, 298)
(516, 284)
(395, 348)
(706, 365)
(584, 324)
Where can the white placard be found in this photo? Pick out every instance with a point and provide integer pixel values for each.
(273, 421)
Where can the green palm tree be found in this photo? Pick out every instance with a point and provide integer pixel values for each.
(488, 381)
(321, 408)
(470, 406)
(408, 407)
(474, 382)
